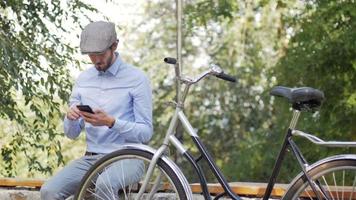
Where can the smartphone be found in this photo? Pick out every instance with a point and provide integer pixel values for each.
(85, 108)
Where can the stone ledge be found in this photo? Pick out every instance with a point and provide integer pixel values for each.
(19, 194)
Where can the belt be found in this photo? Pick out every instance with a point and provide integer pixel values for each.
(87, 153)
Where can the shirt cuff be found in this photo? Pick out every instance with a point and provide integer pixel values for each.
(71, 123)
(119, 125)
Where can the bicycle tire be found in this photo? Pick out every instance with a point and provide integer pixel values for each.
(329, 173)
(86, 190)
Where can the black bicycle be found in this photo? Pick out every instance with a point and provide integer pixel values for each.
(330, 178)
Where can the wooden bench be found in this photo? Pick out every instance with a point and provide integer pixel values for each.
(241, 188)
(21, 182)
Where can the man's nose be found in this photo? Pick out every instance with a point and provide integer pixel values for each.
(97, 58)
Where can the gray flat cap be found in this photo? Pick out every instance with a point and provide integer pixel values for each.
(97, 37)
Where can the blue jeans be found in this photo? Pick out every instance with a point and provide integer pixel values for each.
(66, 182)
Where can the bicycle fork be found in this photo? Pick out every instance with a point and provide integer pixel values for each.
(151, 167)
(161, 150)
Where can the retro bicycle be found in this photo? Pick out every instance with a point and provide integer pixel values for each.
(330, 178)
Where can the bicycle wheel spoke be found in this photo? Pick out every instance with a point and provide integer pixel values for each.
(100, 189)
(309, 196)
(335, 185)
(343, 184)
(121, 177)
(329, 190)
(98, 197)
(334, 180)
(353, 187)
(307, 192)
(122, 181)
(108, 187)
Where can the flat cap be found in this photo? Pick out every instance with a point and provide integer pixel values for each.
(97, 37)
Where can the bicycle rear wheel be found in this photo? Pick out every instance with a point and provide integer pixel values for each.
(336, 179)
(110, 171)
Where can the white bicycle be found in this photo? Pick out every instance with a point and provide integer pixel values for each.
(330, 178)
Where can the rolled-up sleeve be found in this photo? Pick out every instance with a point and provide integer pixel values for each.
(72, 128)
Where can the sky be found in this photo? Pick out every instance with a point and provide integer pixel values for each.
(121, 12)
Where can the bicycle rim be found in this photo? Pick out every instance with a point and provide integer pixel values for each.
(335, 180)
(109, 179)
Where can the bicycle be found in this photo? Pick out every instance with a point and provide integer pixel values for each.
(162, 174)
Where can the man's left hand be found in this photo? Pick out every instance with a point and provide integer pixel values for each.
(99, 118)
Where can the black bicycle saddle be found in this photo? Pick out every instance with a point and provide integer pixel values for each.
(303, 98)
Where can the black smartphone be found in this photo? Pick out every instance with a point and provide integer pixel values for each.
(85, 108)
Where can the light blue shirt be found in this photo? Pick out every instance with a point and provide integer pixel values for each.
(123, 92)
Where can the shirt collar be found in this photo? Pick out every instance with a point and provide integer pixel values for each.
(115, 67)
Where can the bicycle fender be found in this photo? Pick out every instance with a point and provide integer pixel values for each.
(165, 159)
(322, 162)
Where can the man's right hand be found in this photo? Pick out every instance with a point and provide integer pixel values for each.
(73, 113)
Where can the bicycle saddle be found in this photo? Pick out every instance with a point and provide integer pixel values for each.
(303, 98)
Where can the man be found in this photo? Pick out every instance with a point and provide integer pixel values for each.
(120, 96)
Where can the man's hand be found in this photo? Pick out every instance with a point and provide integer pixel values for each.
(73, 113)
(99, 118)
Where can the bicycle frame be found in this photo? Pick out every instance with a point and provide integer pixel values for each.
(170, 138)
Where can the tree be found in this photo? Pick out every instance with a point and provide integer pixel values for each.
(260, 42)
(233, 119)
(34, 77)
(322, 54)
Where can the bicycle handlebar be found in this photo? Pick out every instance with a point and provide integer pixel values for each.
(214, 70)
(170, 60)
(226, 77)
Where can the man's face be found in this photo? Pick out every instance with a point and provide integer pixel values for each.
(102, 61)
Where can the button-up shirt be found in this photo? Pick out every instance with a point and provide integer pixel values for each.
(123, 92)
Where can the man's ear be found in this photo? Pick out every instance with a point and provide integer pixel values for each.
(114, 45)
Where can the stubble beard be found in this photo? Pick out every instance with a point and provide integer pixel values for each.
(108, 62)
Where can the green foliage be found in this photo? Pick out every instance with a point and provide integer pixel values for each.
(202, 12)
(34, 78)
(322, 54)
(233, 119)
(241, 124)
(263, 43)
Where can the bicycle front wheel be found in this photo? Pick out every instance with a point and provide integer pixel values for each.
(119, 175)
(334, 178)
